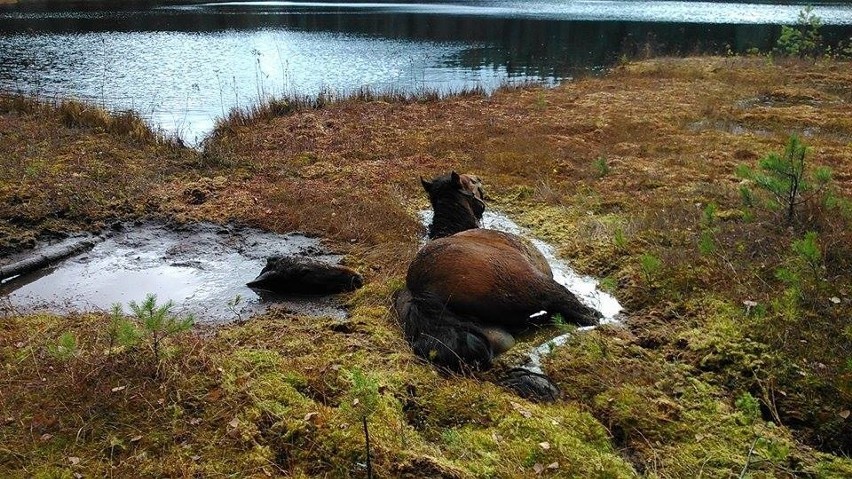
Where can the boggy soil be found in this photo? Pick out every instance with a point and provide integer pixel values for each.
(724, 367)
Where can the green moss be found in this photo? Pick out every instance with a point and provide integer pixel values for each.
(674, 422)
(832, 467)
(562, 441)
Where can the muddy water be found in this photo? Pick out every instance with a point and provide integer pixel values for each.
(200, 267)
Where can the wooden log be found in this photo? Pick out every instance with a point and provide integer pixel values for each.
(48, 256)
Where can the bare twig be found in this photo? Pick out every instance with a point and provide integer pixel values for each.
(768, 393)
(748, 457)
(367, 440)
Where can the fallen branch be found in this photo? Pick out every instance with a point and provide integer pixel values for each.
(748, 458)
(46, 258)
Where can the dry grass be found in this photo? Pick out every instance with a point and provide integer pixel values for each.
(279, 107)
(70, 167)
(658, 398)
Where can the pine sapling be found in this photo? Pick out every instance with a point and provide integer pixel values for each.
(786, 178)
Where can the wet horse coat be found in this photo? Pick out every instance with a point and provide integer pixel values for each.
(298, 275)
(470, 289)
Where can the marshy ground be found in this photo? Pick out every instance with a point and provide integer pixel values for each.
(721, 370)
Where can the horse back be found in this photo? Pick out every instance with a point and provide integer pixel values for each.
(487, 274)
(513, 242)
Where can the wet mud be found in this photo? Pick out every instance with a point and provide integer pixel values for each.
(203, 268)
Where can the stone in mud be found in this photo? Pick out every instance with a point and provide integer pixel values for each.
(298, 275)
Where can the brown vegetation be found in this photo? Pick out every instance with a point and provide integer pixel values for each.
(70, 167)
(723, 369)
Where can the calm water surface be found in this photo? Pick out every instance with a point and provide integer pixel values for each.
(183, 65)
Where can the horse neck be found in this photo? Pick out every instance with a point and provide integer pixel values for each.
(451, 218)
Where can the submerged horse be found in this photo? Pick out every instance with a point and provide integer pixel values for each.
(470, 290)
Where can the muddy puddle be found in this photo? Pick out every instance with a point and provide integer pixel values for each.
(203, 268)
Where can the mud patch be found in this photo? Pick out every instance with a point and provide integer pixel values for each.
(726, 126)
(201, 267)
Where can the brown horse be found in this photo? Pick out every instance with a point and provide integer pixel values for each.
(470, 290)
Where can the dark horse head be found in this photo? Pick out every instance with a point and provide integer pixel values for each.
(297, 275)
(458, 203)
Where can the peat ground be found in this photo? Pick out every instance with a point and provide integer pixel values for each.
(724, 368)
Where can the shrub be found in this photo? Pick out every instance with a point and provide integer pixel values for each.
(786, 178)
(805, 270)
(707, 242)
(363, 402)
(619, 240)
(600, 166)
(803, 39)
(650, 265)
(151, 323)
(65, 348)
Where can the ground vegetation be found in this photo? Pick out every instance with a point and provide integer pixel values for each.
(733, 359)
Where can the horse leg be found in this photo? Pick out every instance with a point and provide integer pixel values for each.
(438, 335)
(558, 300)
(454, 348)
(500, 339)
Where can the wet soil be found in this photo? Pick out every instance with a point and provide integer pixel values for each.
(202, 267)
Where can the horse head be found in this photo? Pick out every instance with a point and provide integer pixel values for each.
(458, 202)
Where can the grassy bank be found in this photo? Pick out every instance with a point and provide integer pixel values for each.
(723, 369)
(70, 167)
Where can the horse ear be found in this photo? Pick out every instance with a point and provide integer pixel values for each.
(427, 185)
(456, 179)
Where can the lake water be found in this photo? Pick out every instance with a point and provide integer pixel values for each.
(183, 65)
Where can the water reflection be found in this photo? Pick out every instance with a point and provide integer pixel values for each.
(183, 65)
(664, 11)
(182, 81)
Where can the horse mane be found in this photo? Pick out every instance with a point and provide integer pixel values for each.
(457, 205)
